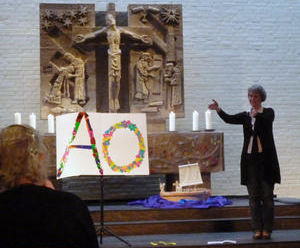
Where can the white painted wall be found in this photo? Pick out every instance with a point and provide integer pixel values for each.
(228, 46)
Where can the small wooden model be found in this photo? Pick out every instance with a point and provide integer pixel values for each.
(189, 185)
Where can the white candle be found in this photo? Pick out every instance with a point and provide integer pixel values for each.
(208, 123)
(18, 118)
(172, 121)
(32, 120)
(50, 123)
(195, 121)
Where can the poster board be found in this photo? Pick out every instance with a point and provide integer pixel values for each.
(101, 144)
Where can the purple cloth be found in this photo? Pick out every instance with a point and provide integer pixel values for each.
(156, 201)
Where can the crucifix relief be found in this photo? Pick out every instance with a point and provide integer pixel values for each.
(112, 61)
(113, 37)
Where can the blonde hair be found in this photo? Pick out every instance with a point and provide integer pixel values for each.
(20, 156)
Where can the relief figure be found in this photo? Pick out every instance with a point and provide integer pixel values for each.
(144, 66)
(78, 75)
(61, 85)
(113, 36)
(68, 76)
(172, 77)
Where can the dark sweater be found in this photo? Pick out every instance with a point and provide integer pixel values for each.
(263, 128)
(35, 216)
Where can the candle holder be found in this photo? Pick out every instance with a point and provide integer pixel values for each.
(49, 134)
(209, 130)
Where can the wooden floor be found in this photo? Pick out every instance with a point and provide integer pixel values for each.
(144, 227)
(280, 239)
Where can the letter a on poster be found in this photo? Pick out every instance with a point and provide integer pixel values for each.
(101, 144)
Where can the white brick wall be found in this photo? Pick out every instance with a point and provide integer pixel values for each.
(228, 45)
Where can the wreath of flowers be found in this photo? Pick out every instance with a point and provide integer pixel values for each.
(107, 136)
(92, 146)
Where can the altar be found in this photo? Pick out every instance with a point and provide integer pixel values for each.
(122, 62)
(167, 150)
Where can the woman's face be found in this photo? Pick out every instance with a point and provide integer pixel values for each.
(254, 99)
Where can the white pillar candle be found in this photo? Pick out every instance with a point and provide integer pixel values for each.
(208, 123)
(32, 120)
(18, 118)
(171, 121)
(195, 121)
(50, 123)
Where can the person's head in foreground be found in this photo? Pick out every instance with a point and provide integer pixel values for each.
(33, 214)
(21, 157)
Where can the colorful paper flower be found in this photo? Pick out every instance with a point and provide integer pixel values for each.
(107, 136)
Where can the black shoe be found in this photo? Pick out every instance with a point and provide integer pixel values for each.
(257, 235)
(266, 234)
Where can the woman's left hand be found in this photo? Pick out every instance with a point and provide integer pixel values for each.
(253, 112)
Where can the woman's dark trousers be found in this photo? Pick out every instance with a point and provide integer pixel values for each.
(260, 195)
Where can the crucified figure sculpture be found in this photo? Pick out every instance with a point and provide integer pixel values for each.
(113, 36)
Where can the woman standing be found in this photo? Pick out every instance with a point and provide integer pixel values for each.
(259, 162)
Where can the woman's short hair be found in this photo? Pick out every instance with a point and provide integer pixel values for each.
(258, 89)
(20, 156)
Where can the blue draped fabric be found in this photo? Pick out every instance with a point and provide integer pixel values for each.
(156, 201)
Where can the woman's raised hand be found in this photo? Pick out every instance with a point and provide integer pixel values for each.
(214, 105)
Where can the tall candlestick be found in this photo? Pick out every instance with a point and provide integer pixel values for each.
(32, 120)
(171, 121)
(50, 123)
(18, 118)
(195, 121)
(208, 123)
